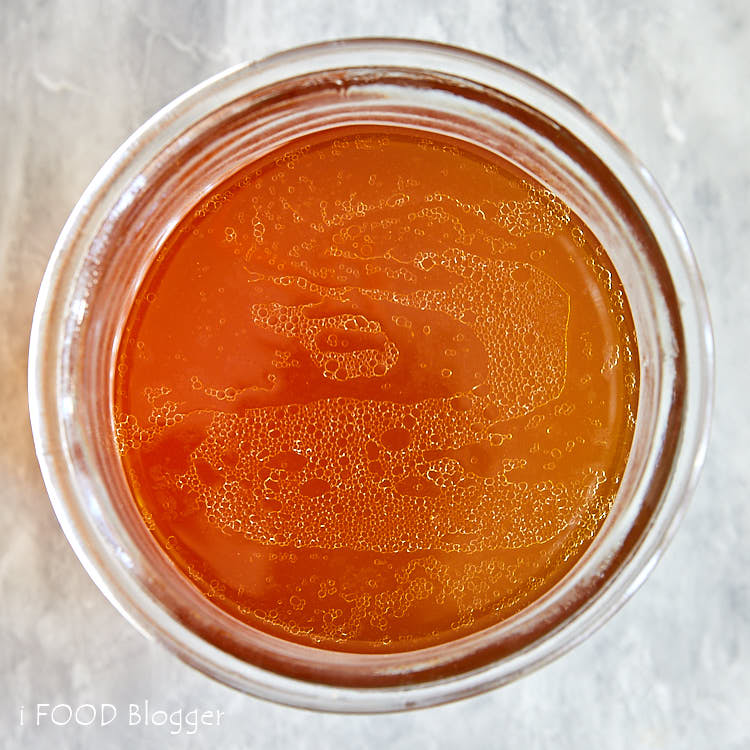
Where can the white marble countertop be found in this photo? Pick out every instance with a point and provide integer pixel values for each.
(672, 669)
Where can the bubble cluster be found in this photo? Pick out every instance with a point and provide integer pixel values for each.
(130, 435)
(322, 336)
(340, 611)
(406, 477)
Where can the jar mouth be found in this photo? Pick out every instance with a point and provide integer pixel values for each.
(233, 119)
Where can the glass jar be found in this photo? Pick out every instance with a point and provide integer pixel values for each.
(199, 140)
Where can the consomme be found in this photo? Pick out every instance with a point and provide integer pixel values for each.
(376, 391)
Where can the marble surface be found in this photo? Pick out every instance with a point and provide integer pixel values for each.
(672, 669)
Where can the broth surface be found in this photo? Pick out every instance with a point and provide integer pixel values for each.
(377, 391)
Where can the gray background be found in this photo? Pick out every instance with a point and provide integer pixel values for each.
(671, 670)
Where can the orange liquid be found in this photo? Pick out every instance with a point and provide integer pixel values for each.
(377, 391)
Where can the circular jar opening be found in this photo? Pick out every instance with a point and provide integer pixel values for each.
(438, 96)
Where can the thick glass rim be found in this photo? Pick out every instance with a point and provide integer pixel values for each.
(78, 495)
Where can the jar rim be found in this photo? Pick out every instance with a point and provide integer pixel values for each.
(60, 308)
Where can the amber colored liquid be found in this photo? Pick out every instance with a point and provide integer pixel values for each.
(377, 391)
